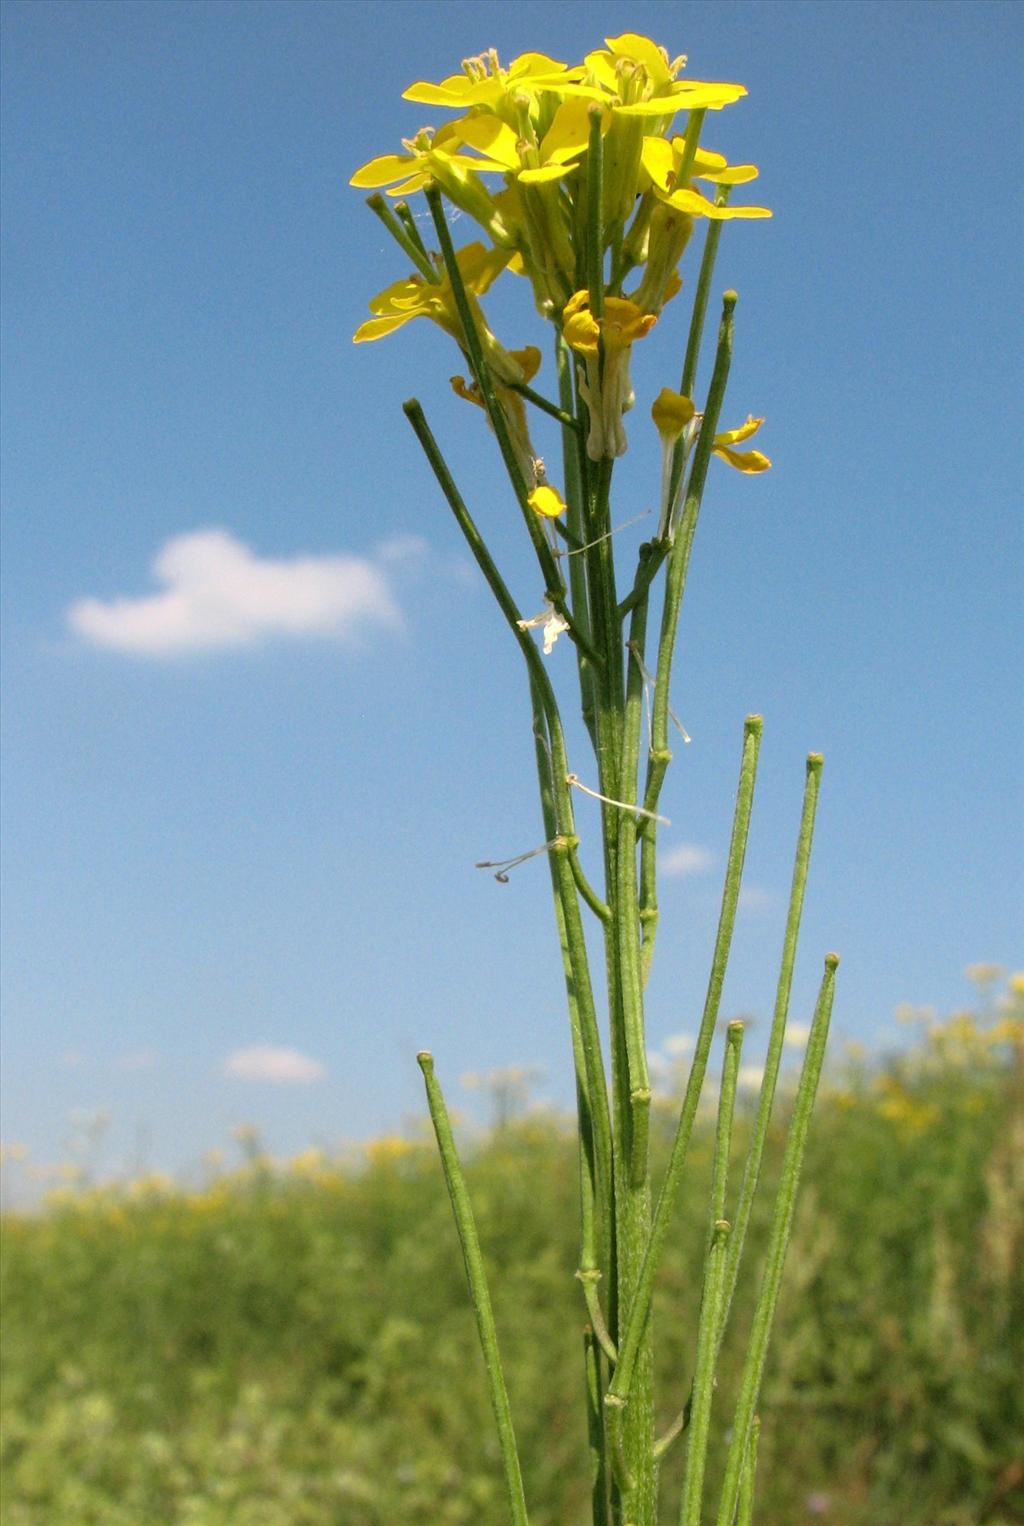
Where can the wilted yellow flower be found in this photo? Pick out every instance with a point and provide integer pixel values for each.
(608, 391)
(511, 404)
(546, 501)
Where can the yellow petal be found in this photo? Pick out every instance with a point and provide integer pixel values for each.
(528, 64)
(671, 412)
(582, 333)
(468, 391)
(744, 432)
(383, 170)
(493, 137)
(528, 360)
(658, 160)
(731, 174)
(376, 328)
(450, 92)
(743, 460)
(703, 159)
(414, 183)
(480, 267)
(698, 206)
(568, 134)
(545, 173)
(405, 293)
(602, 66)
(658, 106)
(642, 51)
(623, 322)
(546, 501)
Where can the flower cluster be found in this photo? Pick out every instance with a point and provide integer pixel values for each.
(584, 178)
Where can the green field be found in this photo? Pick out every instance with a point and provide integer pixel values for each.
(292, 1342)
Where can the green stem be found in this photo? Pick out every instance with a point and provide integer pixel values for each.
(660, 755)
(704, 1377)
(745, 1513)
(551, 409)
(595, 1432)
(778, 1241)
(482, 377)
(574, 470)
(401, 236)
(700, 298)
(773, 1058)
(713, 1290)
(408, 222)
(629, 1344)
(547, 706)
(477, 1279)
(688, 379)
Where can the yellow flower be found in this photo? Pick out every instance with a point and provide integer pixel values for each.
(639, 72)
(483, 82)
(434, 156)
(607, 390)
(662, 161)
(621, 323)
(415, 297)
(556, 153)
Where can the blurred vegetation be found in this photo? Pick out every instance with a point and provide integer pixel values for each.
(293, 1343)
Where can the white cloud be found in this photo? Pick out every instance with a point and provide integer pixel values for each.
(686, 858)
(267, 1062)
(756, 898)
(217, 593)
(797, 1035)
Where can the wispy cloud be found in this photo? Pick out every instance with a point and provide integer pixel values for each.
(686, 858)
(755, 897)
(267, 1062)
(218, 593)
(140, 1059)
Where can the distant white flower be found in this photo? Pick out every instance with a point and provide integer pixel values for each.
(797, 1035)
(552, 622)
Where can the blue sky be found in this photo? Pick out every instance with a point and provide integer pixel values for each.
(268, 839)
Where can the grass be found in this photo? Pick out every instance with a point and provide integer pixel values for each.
(294, 1343)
